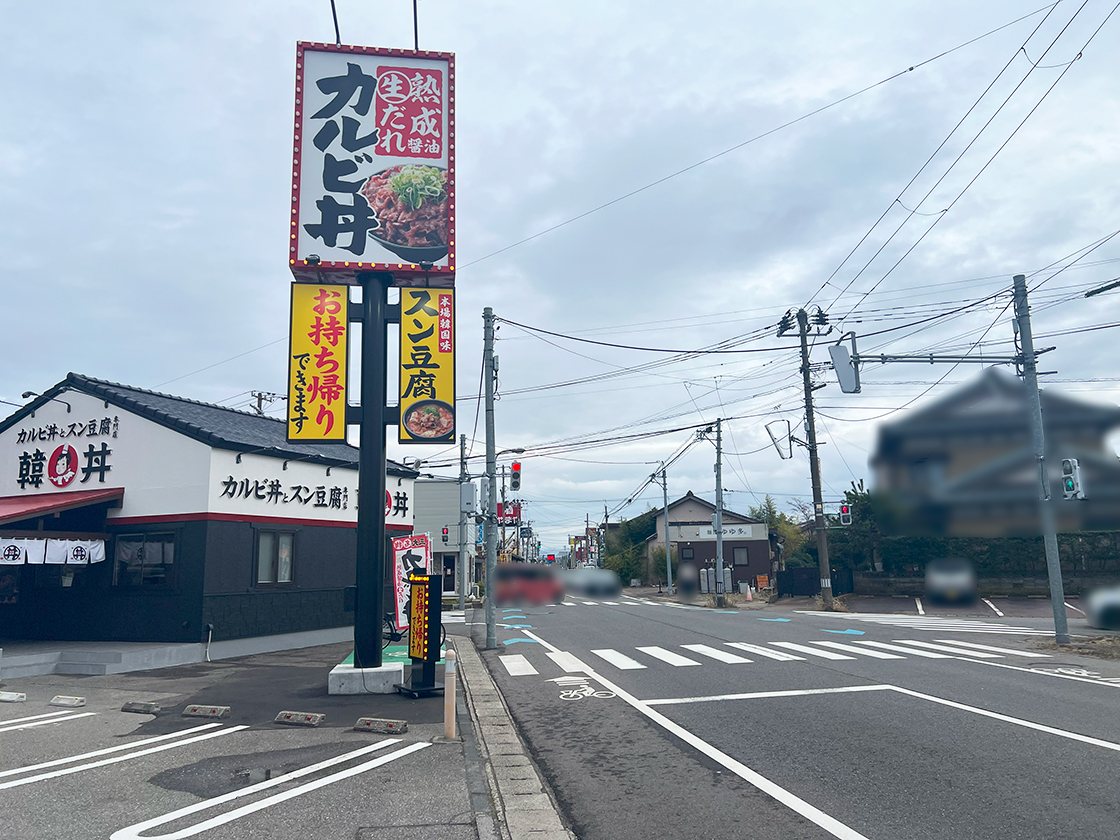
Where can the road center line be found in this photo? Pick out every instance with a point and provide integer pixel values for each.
(795, 803)
(51, 720)
(133, 831)
(94, 764)
(757, 695)
(106, 751)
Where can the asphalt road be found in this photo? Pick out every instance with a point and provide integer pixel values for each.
(809, 731)
(97, 772)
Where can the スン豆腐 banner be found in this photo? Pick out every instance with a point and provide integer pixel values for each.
(374, 164)
(427, 380)
(317, 363)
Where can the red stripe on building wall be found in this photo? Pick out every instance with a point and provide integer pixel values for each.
(233, 517)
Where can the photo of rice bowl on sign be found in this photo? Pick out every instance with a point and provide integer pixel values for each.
(411, 206)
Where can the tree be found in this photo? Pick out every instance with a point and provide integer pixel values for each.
(624, 547)
(791, 535)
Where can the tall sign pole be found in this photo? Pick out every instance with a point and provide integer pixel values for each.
(370, 609)
(1045, 503)
(814, 465)
(488, 365)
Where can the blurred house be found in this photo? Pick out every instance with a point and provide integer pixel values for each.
(746, 541)
(965, 465)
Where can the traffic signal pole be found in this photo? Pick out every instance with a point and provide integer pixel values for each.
(1045, 503)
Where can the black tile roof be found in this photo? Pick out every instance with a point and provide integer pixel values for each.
(214, 425)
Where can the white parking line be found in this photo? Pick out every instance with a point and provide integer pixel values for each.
(93, 764)
(517, 665)
(993, 606)
(619, 660)
(716, 653)
(823, 654)
(921, 611)
(51, 720)
(1072, 607)
(33, 717)
(1007, 651)
(674, 659)
(133, 831)
(761, 651)
(106, 751)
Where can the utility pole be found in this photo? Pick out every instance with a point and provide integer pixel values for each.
(464, 477)
(814, 462)
(668, 552)
(1045, 503)
(505, 510)
(490, 368)
(719, 513)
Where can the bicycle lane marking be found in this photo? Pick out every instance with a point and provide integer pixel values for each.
(133, 832)
(795, 803)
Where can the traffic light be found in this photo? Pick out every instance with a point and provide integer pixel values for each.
(515, 476)
(445, 535)
(845, 514)
(1071, 479)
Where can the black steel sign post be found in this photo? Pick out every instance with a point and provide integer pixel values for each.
(424, 629)
(375, 316)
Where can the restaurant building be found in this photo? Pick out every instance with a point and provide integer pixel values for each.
(129, 515)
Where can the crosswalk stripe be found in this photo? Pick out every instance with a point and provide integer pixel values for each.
(823, 654)
(899, 649)
(716, 653)
(619, 660)
(611, 603)
(996, 649)
(566, 661)
(590, 604)
(517, 665)
(874, 654)
(674, 659)
(568, 604)
(945, 649)
(769, 654)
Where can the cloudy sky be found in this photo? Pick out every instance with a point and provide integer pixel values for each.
(661, 175)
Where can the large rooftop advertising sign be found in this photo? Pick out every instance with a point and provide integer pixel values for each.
(373, 184)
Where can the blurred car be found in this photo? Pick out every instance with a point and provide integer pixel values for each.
(592, 581)
(534, 584)
(950, 580)
(1102, 608)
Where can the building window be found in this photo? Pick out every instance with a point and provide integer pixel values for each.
(687, 553)
(274, 556)
(740, 556)
(144, 560)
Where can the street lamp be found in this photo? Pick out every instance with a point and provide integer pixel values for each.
(27, 394)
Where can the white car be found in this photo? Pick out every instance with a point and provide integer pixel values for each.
(1102, 608)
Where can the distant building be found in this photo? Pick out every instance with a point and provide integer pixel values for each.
(746, 541)
(964, 464)
(128, 515)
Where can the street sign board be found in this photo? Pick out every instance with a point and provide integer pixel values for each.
(427, 366)
(317, 356)
(373, 180)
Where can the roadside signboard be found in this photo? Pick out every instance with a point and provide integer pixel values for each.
(317, 355)
(373, 180)
(427, 372)
(410, 555)
(509, 513)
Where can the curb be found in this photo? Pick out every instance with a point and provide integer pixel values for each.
(523, 802)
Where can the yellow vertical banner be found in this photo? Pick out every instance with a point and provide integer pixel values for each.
(427, 376)
(317, 354)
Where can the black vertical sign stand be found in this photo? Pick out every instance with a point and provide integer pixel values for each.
(426, 619)
(370, 604)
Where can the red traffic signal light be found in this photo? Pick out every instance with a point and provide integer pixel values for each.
(515, 476)
(845, 515)
(445, 533)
